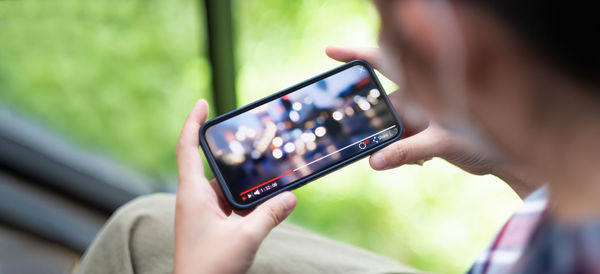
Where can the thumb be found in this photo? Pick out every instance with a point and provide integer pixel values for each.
(271, 213)
(421, 146)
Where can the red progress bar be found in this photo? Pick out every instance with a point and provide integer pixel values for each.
(276, 178)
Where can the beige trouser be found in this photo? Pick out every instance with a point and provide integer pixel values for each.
(138, 238)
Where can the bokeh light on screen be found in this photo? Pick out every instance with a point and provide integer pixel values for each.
(305, 138)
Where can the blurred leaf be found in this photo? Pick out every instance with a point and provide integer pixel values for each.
(117, 76)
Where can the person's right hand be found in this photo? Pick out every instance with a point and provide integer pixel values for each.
(425, 139)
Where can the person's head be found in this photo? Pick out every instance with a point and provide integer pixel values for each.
(518, 71)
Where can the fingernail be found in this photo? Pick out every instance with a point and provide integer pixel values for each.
(378, 161)
(288, 200)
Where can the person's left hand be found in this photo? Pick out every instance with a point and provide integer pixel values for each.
(206, 240)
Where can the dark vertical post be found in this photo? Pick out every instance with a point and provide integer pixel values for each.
(221, 54)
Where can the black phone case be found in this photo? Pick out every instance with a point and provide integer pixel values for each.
(303, 181)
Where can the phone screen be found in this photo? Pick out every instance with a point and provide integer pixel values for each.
(303, 132)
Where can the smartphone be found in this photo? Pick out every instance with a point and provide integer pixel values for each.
(299, 134)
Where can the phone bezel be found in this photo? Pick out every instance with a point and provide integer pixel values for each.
(221, 180)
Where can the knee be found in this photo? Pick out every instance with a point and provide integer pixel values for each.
(150, 225)
(154, 206)
(156, 211)
(139, 235)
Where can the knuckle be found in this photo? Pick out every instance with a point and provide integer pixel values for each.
(271, 211)
(247, 233)
(400, 155)
(187, 201)
(181, 203)
(179, 147)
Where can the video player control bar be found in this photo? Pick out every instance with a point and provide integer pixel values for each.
(362, 144)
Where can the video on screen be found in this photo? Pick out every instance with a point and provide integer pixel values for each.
(305, 131)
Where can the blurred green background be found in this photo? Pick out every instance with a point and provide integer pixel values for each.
(120, 77)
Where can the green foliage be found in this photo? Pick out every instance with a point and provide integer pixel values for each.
(120, 76)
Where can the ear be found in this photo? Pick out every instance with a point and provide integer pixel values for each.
(414, 24)
(432, 45)
(485, 44)
(440, 31)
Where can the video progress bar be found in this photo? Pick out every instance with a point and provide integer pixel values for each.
(314, 161)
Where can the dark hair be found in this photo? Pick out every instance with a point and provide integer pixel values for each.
(563, 32)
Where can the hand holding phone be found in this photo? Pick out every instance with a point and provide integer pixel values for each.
(299, 134)
(205, 239)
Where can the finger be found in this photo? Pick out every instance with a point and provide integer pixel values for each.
(189, 161)
(223, 204)
(421, 146)
(269, 214)
(346, 54)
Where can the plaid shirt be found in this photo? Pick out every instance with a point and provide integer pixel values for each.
(510, 242)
